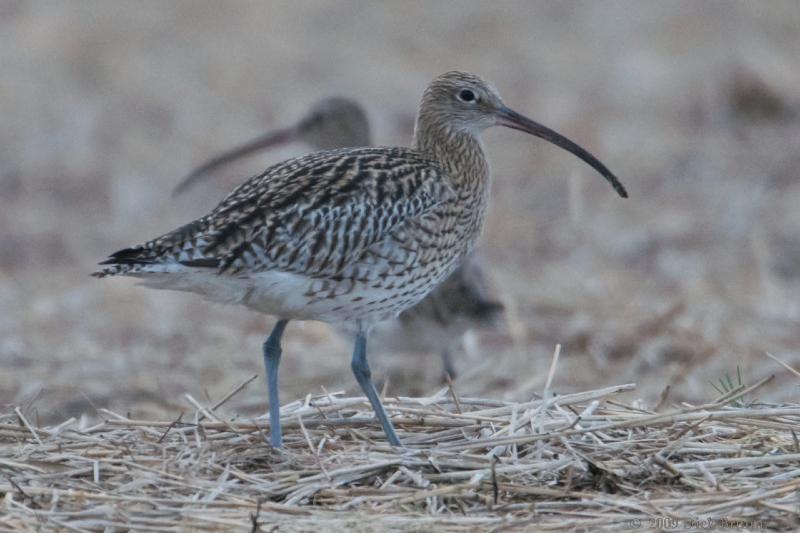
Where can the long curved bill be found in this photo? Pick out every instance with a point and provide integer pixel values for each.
(267, 140)
(511, 119)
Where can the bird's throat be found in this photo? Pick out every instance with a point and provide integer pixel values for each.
(458, 152)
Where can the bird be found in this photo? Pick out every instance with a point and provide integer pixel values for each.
(333, 122)
(464, 301)
(349, 236)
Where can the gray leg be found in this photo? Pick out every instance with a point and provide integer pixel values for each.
(364, 377)
(448, 368)
(272, 358)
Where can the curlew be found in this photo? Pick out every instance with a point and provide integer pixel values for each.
(351, 236)
(464, 301)
(331, 123)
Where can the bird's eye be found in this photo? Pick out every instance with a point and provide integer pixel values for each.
(467, 95)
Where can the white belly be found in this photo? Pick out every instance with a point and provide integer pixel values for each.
(281, 294)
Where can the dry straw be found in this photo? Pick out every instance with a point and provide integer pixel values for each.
(565, 462)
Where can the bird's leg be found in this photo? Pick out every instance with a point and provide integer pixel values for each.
(272, 358)
(364, 377)
(448, 368)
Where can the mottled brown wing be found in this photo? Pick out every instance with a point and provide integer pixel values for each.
(318, 214)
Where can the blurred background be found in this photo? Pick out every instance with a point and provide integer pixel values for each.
(104, 106)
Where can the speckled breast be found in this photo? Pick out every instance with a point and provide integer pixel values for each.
(399, 272)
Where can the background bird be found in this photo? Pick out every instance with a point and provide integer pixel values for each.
(351, 236)
(330, 123)
(464, 301)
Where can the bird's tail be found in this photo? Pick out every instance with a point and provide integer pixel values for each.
(171, 252)
(127, 261)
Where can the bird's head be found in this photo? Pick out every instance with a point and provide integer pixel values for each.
(331, 123)
(335, 123)
(460, 102)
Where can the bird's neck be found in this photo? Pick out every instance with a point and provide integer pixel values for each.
(460, 153)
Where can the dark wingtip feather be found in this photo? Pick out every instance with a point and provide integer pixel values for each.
(123, 260)
(128, 256)
(108, 271)
(201, 263)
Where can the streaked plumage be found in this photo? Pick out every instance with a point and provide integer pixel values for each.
(463, 301)
(350, 236)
